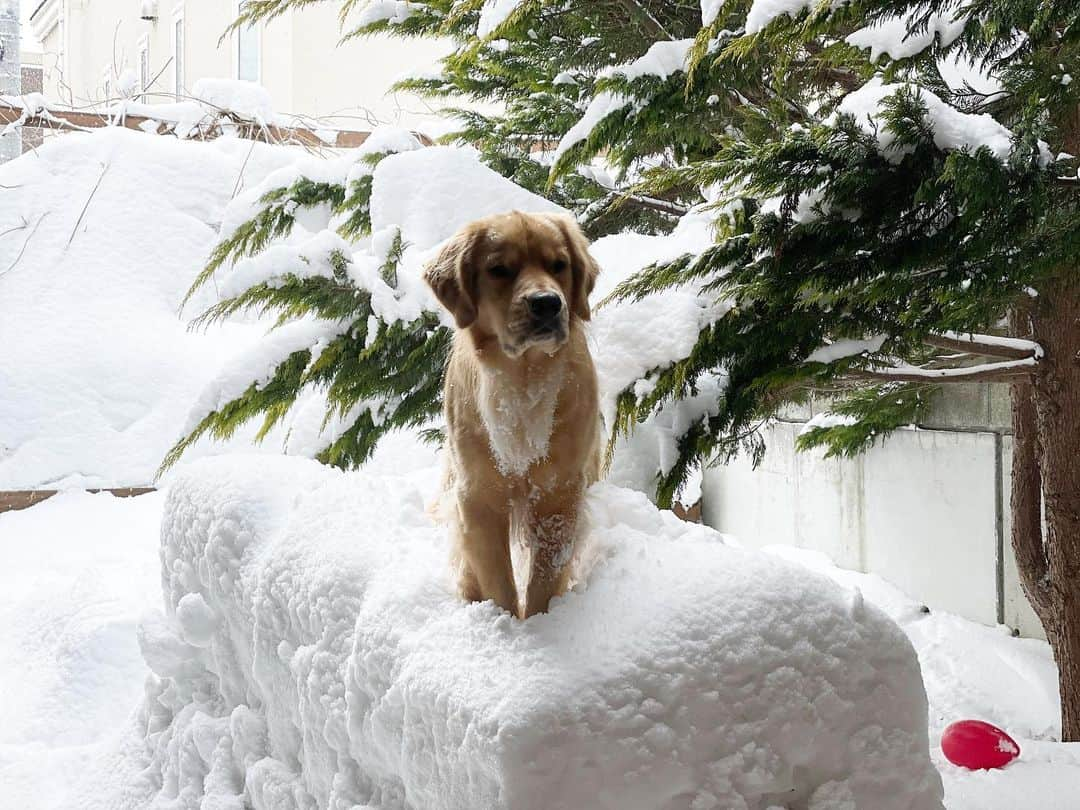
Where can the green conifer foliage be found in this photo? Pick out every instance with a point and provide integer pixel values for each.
(376, 375)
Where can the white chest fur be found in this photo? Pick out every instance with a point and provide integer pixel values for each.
(519, 414)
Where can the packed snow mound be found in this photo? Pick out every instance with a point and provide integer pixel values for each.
(314, 655)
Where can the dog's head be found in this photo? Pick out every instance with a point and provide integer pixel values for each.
(520, 278)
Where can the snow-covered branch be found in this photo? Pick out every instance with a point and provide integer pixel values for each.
(1005, 371)
(988, 345)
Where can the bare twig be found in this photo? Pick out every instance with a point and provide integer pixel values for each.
(104, 168)
(16, 228)
(26, 242)
(651, 25)
(243, 167)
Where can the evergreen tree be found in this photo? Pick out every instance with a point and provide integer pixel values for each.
(883, 227)
(887, 232)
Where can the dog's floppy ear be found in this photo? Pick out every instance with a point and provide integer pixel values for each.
(452, 276)
(583, 265)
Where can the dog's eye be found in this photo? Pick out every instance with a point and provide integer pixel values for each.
(558, 266)
(500, 271)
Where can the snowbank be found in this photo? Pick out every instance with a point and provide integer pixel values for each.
(314, 655)
(103, 235)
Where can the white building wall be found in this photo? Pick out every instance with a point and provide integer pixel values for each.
(927, 510)
(308, 73)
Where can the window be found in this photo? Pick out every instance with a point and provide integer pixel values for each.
(144, 65)
(178, 54)
(248, 56)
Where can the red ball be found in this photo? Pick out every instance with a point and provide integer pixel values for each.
(977, 745)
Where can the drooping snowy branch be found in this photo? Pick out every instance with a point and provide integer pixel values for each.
(990, 345)
(1005, 371)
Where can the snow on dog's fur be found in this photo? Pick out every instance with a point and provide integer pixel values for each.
(521, 400)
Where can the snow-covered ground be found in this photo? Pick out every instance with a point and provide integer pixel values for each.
(77, 573)
(101, 237)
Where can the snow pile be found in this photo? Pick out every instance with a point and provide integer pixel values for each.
(76, 572)
(104, 233)
(314, 655)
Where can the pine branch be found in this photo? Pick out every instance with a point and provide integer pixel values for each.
(651, 25)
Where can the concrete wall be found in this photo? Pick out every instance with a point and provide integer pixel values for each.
(86, 43)
(927, 509)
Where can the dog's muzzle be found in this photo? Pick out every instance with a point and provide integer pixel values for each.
(545, 315)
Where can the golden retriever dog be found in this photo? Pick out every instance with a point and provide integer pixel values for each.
(520, 400)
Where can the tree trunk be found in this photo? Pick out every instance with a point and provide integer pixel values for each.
(1056, 394)
(1026, 495)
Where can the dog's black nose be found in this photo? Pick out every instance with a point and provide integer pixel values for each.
(544, 306)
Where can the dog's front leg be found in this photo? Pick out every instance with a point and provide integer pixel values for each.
(484, 543)
(551, 529)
